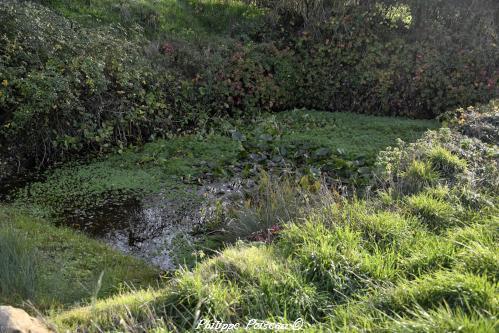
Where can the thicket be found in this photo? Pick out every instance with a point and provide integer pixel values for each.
(79, 83)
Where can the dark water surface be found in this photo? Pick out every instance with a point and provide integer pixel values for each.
(150, 228)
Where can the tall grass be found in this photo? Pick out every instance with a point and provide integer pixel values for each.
(414, 262)
(18, 266)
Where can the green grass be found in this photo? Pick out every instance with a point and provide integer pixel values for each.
(419, 174)
(355, 135)
(445, 162)
(54, 267)
(18, 265)
(316, 270)
(409, 264)
(435, 214)
(188, 19)
(341, 253)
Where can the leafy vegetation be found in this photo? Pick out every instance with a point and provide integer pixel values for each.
(346, 219)
(343, 145)
(85, 77)
(406, 258)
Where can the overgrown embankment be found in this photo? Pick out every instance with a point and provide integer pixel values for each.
(420, 254)
(140, 199)
(149, 201)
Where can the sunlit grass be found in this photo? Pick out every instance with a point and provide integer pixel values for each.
(409, 263)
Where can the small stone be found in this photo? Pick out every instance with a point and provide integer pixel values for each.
(13, 320)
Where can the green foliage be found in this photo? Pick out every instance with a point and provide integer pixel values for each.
(188, 19)
(86, 76)
(82, 77)
(428, 253)
(130, 175)
(480, 260)
(72, 88)
(355, 261)
(336, 144)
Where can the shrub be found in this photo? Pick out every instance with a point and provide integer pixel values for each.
(249, 82)
(70, 89)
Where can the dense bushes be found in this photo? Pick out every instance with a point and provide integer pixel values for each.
(375, 59)
(71, 86)
(67, 88)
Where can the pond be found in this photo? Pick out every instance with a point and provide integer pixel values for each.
(157, 226)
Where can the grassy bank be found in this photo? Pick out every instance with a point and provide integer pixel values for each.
(418, 255)
(187, 19)
(299, 139)
(53, 267)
